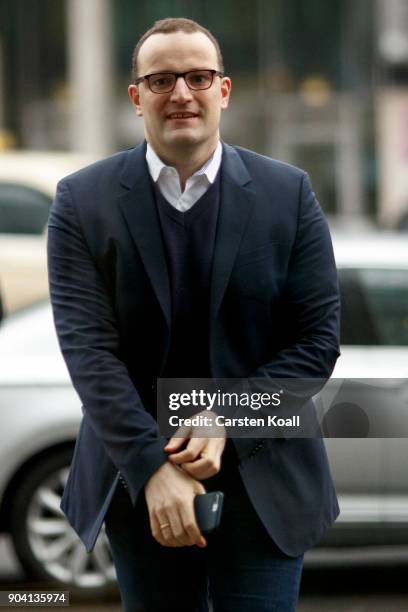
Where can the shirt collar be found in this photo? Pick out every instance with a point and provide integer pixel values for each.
(208, 169)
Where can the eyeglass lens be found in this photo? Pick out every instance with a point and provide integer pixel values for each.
(165, 82)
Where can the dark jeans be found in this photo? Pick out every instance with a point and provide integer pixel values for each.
(240, 570)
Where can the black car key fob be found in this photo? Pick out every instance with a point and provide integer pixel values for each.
(208, 510)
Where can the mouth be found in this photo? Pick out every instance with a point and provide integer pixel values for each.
(183, 116)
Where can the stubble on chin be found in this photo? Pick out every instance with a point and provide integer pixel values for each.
(185, 139)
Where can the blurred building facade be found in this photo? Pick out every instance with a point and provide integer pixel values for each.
(319, 84)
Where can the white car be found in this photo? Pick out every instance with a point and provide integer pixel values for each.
(370, 474)
(27, 187)
(39, 420)
(40, 415)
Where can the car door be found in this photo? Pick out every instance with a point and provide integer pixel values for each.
(23, 267)
(386, 294)
(358, 464)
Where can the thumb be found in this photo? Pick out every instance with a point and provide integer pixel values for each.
(179, 438)
(174, 444)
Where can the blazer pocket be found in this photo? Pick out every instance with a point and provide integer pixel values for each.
(258, 254)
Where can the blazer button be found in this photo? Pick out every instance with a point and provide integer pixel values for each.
(123, 481)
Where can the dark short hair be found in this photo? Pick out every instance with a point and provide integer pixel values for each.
(168, 26)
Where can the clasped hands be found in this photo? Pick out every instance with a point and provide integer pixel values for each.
(171, 490)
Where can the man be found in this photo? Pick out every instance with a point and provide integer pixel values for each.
(186, 257)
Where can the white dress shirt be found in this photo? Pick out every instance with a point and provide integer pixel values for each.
(168, 181)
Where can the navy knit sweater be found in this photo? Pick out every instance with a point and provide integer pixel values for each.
(189, 239)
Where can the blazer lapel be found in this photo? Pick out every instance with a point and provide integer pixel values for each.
(138, 208)
(237, 200)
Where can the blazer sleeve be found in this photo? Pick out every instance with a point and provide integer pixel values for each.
(89, 341)
(312, 312)
(312, 296)
(313, 307)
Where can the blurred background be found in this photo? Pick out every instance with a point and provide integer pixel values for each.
(322, 85)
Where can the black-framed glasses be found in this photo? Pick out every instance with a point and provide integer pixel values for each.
(165, 82)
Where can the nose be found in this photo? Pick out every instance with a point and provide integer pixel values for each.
(181, 93)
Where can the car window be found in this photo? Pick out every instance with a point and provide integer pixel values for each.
(374, 307)
(23, 210)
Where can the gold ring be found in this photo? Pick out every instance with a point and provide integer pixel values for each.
(203, 454)
(163, 525)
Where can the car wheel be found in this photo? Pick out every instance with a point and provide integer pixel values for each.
(46, 545)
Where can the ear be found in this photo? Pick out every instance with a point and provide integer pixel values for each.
(225, 92)
(133, 92)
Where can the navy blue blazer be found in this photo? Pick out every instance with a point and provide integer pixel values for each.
(274, 312)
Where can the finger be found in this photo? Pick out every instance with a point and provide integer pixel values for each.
(166, 530)
(180, 437)
(202, 468)
(209, 462)
(155, 529)
(188, 518)
(190, 453)
(174, 533)
(185, 531)
(199, 489)
(174, 444)
(180, 534)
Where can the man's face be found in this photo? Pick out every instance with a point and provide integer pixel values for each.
(199, 127)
